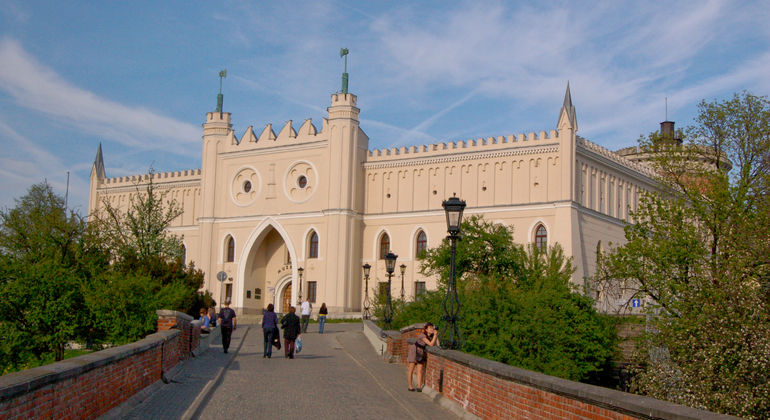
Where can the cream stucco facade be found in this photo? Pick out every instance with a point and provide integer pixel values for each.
(265, 204)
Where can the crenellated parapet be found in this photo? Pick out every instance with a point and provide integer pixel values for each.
(500, 146)
(617, 157)
(159, 177)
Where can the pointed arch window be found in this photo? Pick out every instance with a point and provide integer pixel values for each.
(230, 249)
(313, 250)
(541, 238)
(384, 245)
(422, 243)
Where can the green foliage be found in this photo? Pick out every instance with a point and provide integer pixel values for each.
(518, 305)
(699, 252)
(62, 280)
(42, 265)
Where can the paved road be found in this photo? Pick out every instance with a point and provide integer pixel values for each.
(338, 374)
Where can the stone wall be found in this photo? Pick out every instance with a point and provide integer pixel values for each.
(492, 390)
(88, 386)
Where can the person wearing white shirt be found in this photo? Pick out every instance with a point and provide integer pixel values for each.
(307, 309)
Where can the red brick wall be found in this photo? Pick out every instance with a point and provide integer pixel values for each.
(88, 386)
(492, 390)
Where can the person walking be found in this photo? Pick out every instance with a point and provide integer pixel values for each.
(322, 318)
(213, 317)
(418, 356)
(227, 324)
(307, 310)
(291, 327)
(269, 323)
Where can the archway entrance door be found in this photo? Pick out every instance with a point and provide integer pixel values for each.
(286, 303)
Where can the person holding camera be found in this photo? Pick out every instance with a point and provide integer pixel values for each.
(418, 356)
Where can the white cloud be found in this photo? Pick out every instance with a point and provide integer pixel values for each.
(39, 88)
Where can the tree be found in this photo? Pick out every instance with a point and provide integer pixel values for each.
(518, 305)
(148, 271)
(44, 264)
(699, 252)
(141, 229)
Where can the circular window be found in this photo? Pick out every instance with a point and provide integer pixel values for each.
(302, 181)
(247, 186)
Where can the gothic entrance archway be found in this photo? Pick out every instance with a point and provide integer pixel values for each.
(267, 262)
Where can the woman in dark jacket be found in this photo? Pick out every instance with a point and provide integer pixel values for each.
(269, 323)
(291, 325)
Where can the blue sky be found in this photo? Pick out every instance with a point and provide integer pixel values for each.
(139, 77)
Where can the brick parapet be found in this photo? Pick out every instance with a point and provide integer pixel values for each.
(492, 390)
(88, 386)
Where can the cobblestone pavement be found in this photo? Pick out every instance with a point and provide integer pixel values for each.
(173, 400)
(338, 374)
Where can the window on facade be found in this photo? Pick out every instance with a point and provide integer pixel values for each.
(311, 290)
(229, 292)
(541, 238)
(419, 290)
(313, 251)
(384, 245)
(184, 254)
(231, 249)
(422, 243)
(382, 295)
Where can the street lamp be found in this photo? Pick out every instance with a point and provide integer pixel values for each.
(390, 266)
(450, 332)
(299, 294)
(403, 271)
(367, 302)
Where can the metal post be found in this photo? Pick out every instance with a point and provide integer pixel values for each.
(367, 302)
(450, 333)
(403, 271)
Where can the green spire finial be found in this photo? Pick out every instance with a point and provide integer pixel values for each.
(344, 53)
(222, 75)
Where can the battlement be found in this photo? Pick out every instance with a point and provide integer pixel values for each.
(120, 181)
(616, 156)
(480, 145)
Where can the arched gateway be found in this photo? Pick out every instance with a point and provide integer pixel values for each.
(267, 270)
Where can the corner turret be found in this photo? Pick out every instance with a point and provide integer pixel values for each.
(567, 115)
(98, 175)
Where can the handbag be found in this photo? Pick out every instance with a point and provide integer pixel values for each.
(419, 355)
(298, 345)
(277, 338)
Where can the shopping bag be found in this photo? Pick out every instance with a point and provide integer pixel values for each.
(298, 345)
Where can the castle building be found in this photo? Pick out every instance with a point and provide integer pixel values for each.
(264, 205)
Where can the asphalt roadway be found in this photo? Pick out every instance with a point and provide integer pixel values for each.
(338, 375)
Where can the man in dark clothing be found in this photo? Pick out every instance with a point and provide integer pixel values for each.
(227, 324)
(290, 324)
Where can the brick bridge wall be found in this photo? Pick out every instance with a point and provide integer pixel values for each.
(88, 386)
(492, 390)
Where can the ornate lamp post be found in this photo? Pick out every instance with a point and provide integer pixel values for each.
(390, 266)
(367, 302)
(403, 271)
(299, 294)
(450, 332)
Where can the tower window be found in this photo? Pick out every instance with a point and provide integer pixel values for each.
(541, 238)
(384, 245)
(231, 249)
(313, 251)
(422, 243)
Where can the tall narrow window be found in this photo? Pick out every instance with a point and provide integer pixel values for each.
(313, 252)
(231, 249)
(184, 254)
(419, 290)
(541, 238)
(422, 243)
(384, 245)
(311, 290)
